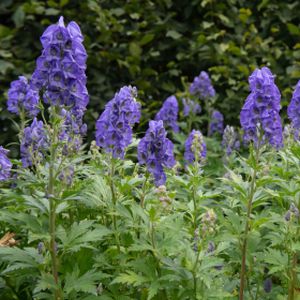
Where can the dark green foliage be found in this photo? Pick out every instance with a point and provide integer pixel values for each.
(156, 44)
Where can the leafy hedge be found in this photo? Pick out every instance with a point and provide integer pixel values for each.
(158, 46)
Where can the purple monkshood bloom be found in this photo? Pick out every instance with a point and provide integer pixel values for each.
(21, 97)
(5, 165)
(268, 285)
(293, 110)
(71, 132)
(60, 70)
(34, 142)
(190, 106)
(216, 123)
(114, 126)
(169, 113)
(202, 86)
(195, 147)
(230, 140)
(260, 113)
(155, 150)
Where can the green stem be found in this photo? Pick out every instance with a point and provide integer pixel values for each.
(52, 216)
(293, 273)
(194, 274)
(158, 269)
(114, 201)
(247, 229)
(142, 202)
(22, 127)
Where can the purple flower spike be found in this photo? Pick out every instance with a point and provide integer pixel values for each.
(155, 150)
(34, 142)
(21, 97)
(261, 109)
(5, 165)
(60, 70)
(190, 106)
(294, 110)
(230, 140)
(202, 86)
(216, 123)
(114, 126)
(195, 147)
(169, 113)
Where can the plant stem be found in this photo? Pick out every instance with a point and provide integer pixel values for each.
(246, 231)
(293, 275)
(194, 274)
(52, 215)
(114, 201)
(158, 269)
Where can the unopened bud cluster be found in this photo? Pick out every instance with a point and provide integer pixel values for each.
(163, 197)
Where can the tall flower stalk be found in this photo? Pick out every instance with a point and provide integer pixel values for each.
(261, 123)
(156, 151)
(195, 154)
(60, 79)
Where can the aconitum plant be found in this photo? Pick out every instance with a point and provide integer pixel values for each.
(114, 126)
(195, 148)
(34, 142)
(202, 86)
(216, 124)
(190, 106)
(22, 98)
(260, 117)
(293, 110)
(71, 131)
(169, 113)
(155, 150)
(230, 140)
(60, 70)
(5, 165)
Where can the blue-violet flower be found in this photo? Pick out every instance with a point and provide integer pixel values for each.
(156, 151)
(217, 123)
(195, 147)
(5, 165)
(34, 143)
(21, 97)
(260, 117)
(169, 113)
(202, 86)
(114, 126)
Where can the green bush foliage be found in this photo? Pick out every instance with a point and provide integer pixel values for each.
(159, 46)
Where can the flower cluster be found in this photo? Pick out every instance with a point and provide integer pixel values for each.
(260, 113)
(195, 147)
(5, 165)
(60, 70)
(60, 76)
(114, 126)
(169, 113)
(156, 151)
(216, 123)
(293, 110)
(21, 97)
(190, 106)
(34, 143)
(71, 131)
(208, 222)
(292, 212)
(230, 140)
(202, 86)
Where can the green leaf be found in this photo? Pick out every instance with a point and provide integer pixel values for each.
(86, 283)
(146, 39)
(130, 278)
(173, 34)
